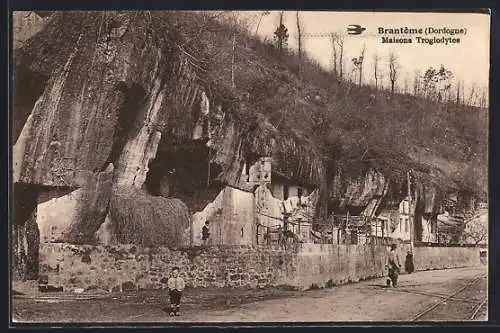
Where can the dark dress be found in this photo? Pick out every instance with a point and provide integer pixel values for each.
(409, 263)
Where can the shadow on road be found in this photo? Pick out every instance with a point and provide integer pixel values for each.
(379, 285)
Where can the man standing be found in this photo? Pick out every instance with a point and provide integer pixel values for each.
(205, 233)
(394, 266)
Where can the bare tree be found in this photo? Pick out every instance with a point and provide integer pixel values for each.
(417, 83)
(351, 75)
(483, 100)
(339, 40)
(232, 61)
(260, 19)
(334, 50)
(463, 94)
(457, 98)
(472, 95)
(393, 70)
(234, 20)
(358, 65)
(361, 59)
(376, 73)
(299, 39)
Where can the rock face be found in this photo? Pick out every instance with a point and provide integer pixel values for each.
(71, 128)
(361, 192)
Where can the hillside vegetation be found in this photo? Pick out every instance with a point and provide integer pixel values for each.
(352, 127)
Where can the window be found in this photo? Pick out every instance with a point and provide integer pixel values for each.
(406, 224)
(400, 223)
(285, 191)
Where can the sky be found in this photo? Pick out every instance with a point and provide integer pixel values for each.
(468, 60)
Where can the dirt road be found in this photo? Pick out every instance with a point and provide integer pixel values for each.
(444, 295)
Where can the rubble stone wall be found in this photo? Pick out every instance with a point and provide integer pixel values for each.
(126, 267)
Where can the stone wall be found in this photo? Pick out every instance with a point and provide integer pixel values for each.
(129, 267)
(328, 265)
(426, 258)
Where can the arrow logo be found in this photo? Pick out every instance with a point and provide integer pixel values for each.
(355, 29)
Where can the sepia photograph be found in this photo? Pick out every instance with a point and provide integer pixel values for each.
(249, 166)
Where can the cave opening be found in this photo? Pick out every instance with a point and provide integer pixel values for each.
(133, 101)
(333, 205)
(25, 229)
(25, 232)
(183, 171)
(28, 87)
(355, 210)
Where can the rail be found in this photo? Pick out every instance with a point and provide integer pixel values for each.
(444, 300)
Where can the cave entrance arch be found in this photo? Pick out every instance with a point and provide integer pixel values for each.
(25, 240)
(183, 171)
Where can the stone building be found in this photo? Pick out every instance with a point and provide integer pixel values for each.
(261, 205)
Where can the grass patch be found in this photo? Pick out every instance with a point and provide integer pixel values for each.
(148, 221)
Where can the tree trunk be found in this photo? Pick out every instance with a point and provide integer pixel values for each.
(232, 62)
(341, 67)
(334, 57)
(258, 24)
(299, 35)
(360, 73)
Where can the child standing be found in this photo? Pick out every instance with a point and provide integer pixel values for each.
(175, 287)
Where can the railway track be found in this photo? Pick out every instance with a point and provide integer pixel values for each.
(444, 301)
(477, 309)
